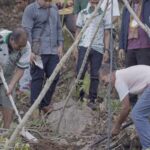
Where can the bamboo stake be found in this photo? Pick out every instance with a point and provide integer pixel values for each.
(82, 67)
(48, 83)
(143, 26)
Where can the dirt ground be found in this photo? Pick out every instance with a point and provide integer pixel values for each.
(50, 145)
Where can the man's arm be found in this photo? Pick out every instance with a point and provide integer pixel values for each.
(28, 23)
(16, 77)
(121, 38)
(107, 38)
(79, 24)
(116, 11)
(125, 109)
(75, 53)
(106, 45)
(60, 36)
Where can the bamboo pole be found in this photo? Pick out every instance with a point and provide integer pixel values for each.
(82, 68)
(48, 83)
(143, 26)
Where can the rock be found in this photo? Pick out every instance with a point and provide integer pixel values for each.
(75, 119)
(63, 142)
(80, 143)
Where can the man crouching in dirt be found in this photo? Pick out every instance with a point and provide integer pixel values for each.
(132, 80)
(14, 58)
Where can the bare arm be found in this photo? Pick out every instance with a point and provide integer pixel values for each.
(107, 39)
(106, 45)
(76, 50)
(77, 32)
(16, 77)
(125, 109)
(60, 37)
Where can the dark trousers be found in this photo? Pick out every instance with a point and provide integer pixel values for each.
(39, 77)
(95, 60)
(69, 20)
(137, 57)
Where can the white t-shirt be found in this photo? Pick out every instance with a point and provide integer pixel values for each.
(132, 80)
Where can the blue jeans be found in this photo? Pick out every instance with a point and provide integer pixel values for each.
(95, 60)
(141, 118)
(39, 77)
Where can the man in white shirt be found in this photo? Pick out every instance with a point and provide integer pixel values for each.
(132, 80)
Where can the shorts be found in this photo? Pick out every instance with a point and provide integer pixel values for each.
(4, 99)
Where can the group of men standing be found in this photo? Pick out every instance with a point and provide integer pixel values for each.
(41, 26)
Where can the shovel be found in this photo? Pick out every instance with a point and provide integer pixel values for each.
(24, 133)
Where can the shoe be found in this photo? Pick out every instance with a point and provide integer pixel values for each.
(81, 95)
(92, 105)
(99, 99)
(47, 109)
(80, 91)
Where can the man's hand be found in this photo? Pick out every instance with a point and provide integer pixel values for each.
(32, 58)
(106, 57)
(125, 109)
(60, 52)
(122, 54)
(115, 130)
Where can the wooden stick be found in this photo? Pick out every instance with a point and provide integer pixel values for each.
(48, 83)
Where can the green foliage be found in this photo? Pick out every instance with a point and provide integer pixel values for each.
(116, 105)
(37, 123)
(67, 40)
(83, 85)
(86, 83)
(19, 146)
